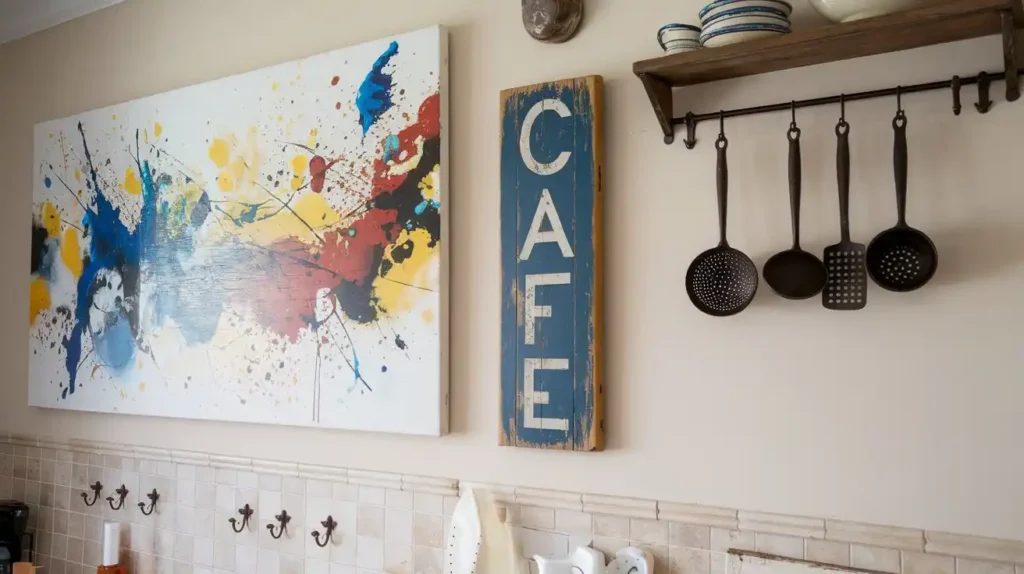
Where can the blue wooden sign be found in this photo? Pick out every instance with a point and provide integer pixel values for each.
(551, 252)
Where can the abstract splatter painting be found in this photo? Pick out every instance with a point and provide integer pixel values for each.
(269, 247)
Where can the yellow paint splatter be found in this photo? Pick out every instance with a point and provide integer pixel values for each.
(311, 142)
(299, 164)
(220, 153)
(51, 220)
(296, 183)
(274, 86)
(114, 117)
(78, 175)
(428, 316)
(132, 184)
(311, 207)
(428, 185)
(408, 276)
(71, 253)
(158, 129)
(142, 387)
(225, 182)
(145, 136)
(39, 299)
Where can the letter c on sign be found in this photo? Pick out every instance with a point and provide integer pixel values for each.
(524, 138)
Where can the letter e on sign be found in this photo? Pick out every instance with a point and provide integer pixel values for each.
(552, 388)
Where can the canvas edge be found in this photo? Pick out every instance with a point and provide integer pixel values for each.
(445, 343)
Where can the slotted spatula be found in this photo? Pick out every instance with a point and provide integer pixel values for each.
(847, 287)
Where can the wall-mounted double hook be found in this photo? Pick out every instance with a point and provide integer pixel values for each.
(96, 489)
(153, 497)
(122, 493)
(330, 525)
(282, 519)
(246, 513)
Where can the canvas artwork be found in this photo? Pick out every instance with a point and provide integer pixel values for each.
(269, 247)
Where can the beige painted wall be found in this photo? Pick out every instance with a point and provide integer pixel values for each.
(908, 413)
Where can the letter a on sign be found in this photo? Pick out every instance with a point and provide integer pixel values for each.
(552, 391)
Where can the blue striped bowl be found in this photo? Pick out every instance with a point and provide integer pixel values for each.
(741, 33)
(745, 11)
(712, 9)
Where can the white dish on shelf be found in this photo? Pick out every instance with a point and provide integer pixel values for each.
(731, 23)
(676, 38)
(849, 10)
(718, 6)
(742, 12)
(741, 33)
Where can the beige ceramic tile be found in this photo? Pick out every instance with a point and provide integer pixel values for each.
(370, 553)
(972, 566)
(427, 530)
(573, 522)
(610, 526)
(689, 535)
(426, 560)
(398, 499)
(609, 546)
(780, 545)
(370, 521)
(648, 531)
(725, 540)
(426, 503)
(398, 527)
(372, 495)
(536, 517)
(920, 563)
(689, 561)
(827, 551)
(397, 558)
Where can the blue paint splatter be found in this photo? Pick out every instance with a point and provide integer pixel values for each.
(355, 366)
(423, 205)
(391, 146)
(47, 182)
(374, 97)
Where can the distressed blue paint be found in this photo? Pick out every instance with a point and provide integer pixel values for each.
(374, 97)
(568, 334)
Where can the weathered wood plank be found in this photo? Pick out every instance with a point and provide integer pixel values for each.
(551, 235)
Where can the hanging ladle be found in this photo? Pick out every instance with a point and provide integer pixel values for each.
(795, 274)
(902, 258)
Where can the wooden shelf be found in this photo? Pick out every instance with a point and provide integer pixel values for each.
(937, 23)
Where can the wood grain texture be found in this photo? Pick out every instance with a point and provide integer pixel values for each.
(551, 256)
(936, 23)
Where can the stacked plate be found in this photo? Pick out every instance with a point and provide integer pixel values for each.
(726, 22)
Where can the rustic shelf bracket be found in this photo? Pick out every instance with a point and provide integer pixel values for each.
(984, 98)
(1010, 56)
(660, 94)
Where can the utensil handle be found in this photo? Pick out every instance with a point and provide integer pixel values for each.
(843, 173)
(899, 158)
(795, 182)
(723, 188)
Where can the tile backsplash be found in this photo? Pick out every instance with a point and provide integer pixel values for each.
(396, 523)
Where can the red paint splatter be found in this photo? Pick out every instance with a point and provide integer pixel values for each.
(318, 167)
(345, 254)
(334, 82)
(337, 106)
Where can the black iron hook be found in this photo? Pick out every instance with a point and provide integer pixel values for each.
(842, 108)
(984, 100)
(899, 99)
(96, 489)
(153, 497)
(957, 105)
(691, 130)
(122, 493)
(283, 519)
(794, 131)
(330, 525)
(246, 513)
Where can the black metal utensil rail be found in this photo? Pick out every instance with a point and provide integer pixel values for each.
(984, 104)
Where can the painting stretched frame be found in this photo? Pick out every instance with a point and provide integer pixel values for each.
(269, 247)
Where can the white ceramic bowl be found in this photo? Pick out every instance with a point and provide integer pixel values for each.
(718, 7)
(742, 33)
(675, 38)
(752, 11)
(850, 10)
(730, 22)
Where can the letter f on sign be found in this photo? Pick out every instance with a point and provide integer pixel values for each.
(533, 310)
